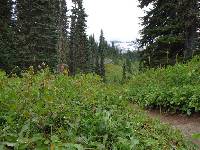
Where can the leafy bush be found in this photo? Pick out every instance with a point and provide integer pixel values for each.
(45, 111)
(173, 88)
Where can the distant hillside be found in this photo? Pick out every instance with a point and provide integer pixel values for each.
(126, 46)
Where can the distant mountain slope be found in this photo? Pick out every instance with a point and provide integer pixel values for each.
(125, 46)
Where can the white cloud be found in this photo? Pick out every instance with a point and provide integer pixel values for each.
(118, 18)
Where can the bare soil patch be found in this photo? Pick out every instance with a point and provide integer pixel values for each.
(188, 125)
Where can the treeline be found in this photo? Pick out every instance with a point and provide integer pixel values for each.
(37, 31)
(171, 31)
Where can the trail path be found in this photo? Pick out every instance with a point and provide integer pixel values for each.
(187, 125)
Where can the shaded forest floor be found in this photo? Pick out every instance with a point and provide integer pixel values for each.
(188, 125)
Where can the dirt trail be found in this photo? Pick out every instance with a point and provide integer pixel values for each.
(188, 125)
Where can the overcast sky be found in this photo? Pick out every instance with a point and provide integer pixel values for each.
(118, 18)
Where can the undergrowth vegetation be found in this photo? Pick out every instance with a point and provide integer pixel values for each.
(45, 111)
(175, 88)
(113, 73)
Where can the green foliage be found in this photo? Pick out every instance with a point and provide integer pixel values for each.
(33, 32)
(37, 32)
(40, 111)
(173, 88)
(113, 52)
(170, 29)
(196, 136)
(93, 57)
(7, 36)
(101, 51)
(113, 73)
(79, 52)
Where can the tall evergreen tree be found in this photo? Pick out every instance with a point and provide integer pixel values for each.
(189, 13)
(72, 42)
(37, 29)
(93, 55)
(7, 51)
(128, 66)
(82, 54)
(168, 31)
(124, 72)
(5, 17)
(63, 41)
(79, 53)
(5, 14)
(102, 48)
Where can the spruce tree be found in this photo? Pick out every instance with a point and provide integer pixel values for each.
(189, 12)
(5, 17)
(37, 26)
(5, 14)
(123, 72)
(79, 53)
(128, 66)
(63, 41)
(93, 54)
(82, 49)
(33, 32)
(168, 31)
(102, 48)
(7, 35)
(72, 41)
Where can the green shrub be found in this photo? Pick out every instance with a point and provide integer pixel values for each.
(176, 88)
(45, 111)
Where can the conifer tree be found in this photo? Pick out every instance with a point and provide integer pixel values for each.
(72, 42)
(123, 72)
(79, 53)
(36, 32)
(5, 17)
(128, 65)
(102, 48)
(7, 50)
(168, 31)
(63, 41)
(5, 14)
(93, 54)
(189, 15)
(37, 23)
(82, 49)
(97, 62)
